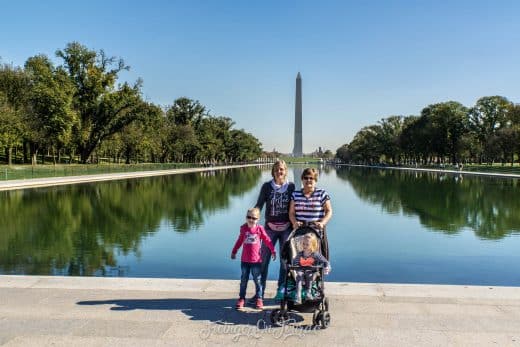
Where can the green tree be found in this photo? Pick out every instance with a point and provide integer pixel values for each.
(11, 128)
(103, 108)
(185, 111)
(343, 153)
(243, 146)
(13, 96)
(409, 137)
(365, 147)
(447, 122)
(50, 116)
(489, 114)
(388, 137)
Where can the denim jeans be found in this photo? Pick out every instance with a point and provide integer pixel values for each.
(280, 237)
(254, 270)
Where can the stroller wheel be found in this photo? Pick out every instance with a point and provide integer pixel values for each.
(275, 316)
(316, 317)
(279, 317)
(284, 316)
(325, 320)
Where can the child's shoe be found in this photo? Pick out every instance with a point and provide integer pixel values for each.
(279, 294)
(240, 304)
(259, 304)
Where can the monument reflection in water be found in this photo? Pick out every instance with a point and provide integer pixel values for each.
(388, 226)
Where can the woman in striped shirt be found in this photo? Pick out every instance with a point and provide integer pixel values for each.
(310, 204)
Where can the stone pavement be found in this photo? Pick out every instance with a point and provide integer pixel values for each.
(92, 311)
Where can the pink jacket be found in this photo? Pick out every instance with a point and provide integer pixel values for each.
(251, 238)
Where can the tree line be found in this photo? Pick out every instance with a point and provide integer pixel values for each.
(78, 111)
(446, 132)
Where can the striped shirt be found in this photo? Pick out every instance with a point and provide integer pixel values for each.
(310, 209)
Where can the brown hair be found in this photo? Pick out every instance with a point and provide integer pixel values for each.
(310, 171)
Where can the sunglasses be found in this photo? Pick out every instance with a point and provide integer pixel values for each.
(251, 217)
(307, 178)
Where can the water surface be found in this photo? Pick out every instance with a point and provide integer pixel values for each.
(388, 226)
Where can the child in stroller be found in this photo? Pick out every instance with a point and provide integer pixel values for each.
(316, 301)
(305, 265)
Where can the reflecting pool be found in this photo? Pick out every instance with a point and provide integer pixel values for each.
(388, 226)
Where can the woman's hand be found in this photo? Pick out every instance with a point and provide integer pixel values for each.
(297, 224)
(233, 255)
(319, 225)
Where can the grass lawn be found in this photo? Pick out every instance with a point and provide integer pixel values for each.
(303, 160)
(15, 172)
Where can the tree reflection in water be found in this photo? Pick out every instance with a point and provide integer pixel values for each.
(443, 202)
(79, 229)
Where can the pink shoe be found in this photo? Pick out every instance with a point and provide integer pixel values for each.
(259, 304)
(240, 303)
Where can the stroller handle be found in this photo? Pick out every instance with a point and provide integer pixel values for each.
(309, 224)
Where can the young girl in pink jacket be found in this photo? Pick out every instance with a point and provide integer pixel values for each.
(251, 236)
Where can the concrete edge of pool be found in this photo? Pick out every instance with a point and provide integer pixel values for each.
(231, 286)
(98, 311)
(57, 181)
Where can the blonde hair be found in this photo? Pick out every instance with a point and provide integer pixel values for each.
(313, 241)
(254, 211)
(310, 171)
(277, 164)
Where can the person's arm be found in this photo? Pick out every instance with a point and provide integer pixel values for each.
(328, 212)
(324, 261)
(262, 197)
(237, 245)
(327, 207)
(267, 241)
(292, 215)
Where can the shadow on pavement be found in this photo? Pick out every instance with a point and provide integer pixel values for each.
(220, 311)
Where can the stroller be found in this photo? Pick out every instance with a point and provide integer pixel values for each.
(319, 305)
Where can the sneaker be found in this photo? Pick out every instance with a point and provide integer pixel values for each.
(259, 304)
(240, 304)
(280, 294)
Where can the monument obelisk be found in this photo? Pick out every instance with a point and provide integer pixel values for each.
(298, 150)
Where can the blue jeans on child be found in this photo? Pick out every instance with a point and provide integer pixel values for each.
(254, 270)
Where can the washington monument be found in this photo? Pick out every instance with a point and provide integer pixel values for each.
(297, 150)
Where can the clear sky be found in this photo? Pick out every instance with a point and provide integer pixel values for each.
(360, 61)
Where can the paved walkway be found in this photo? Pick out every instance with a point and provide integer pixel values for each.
(445, 171)
(56, 181)
(89, 311)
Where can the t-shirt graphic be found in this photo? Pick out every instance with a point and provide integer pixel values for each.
(279, 203)
(251, 238)
(306, 261)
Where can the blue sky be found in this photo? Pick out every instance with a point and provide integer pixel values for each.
(360, 61)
